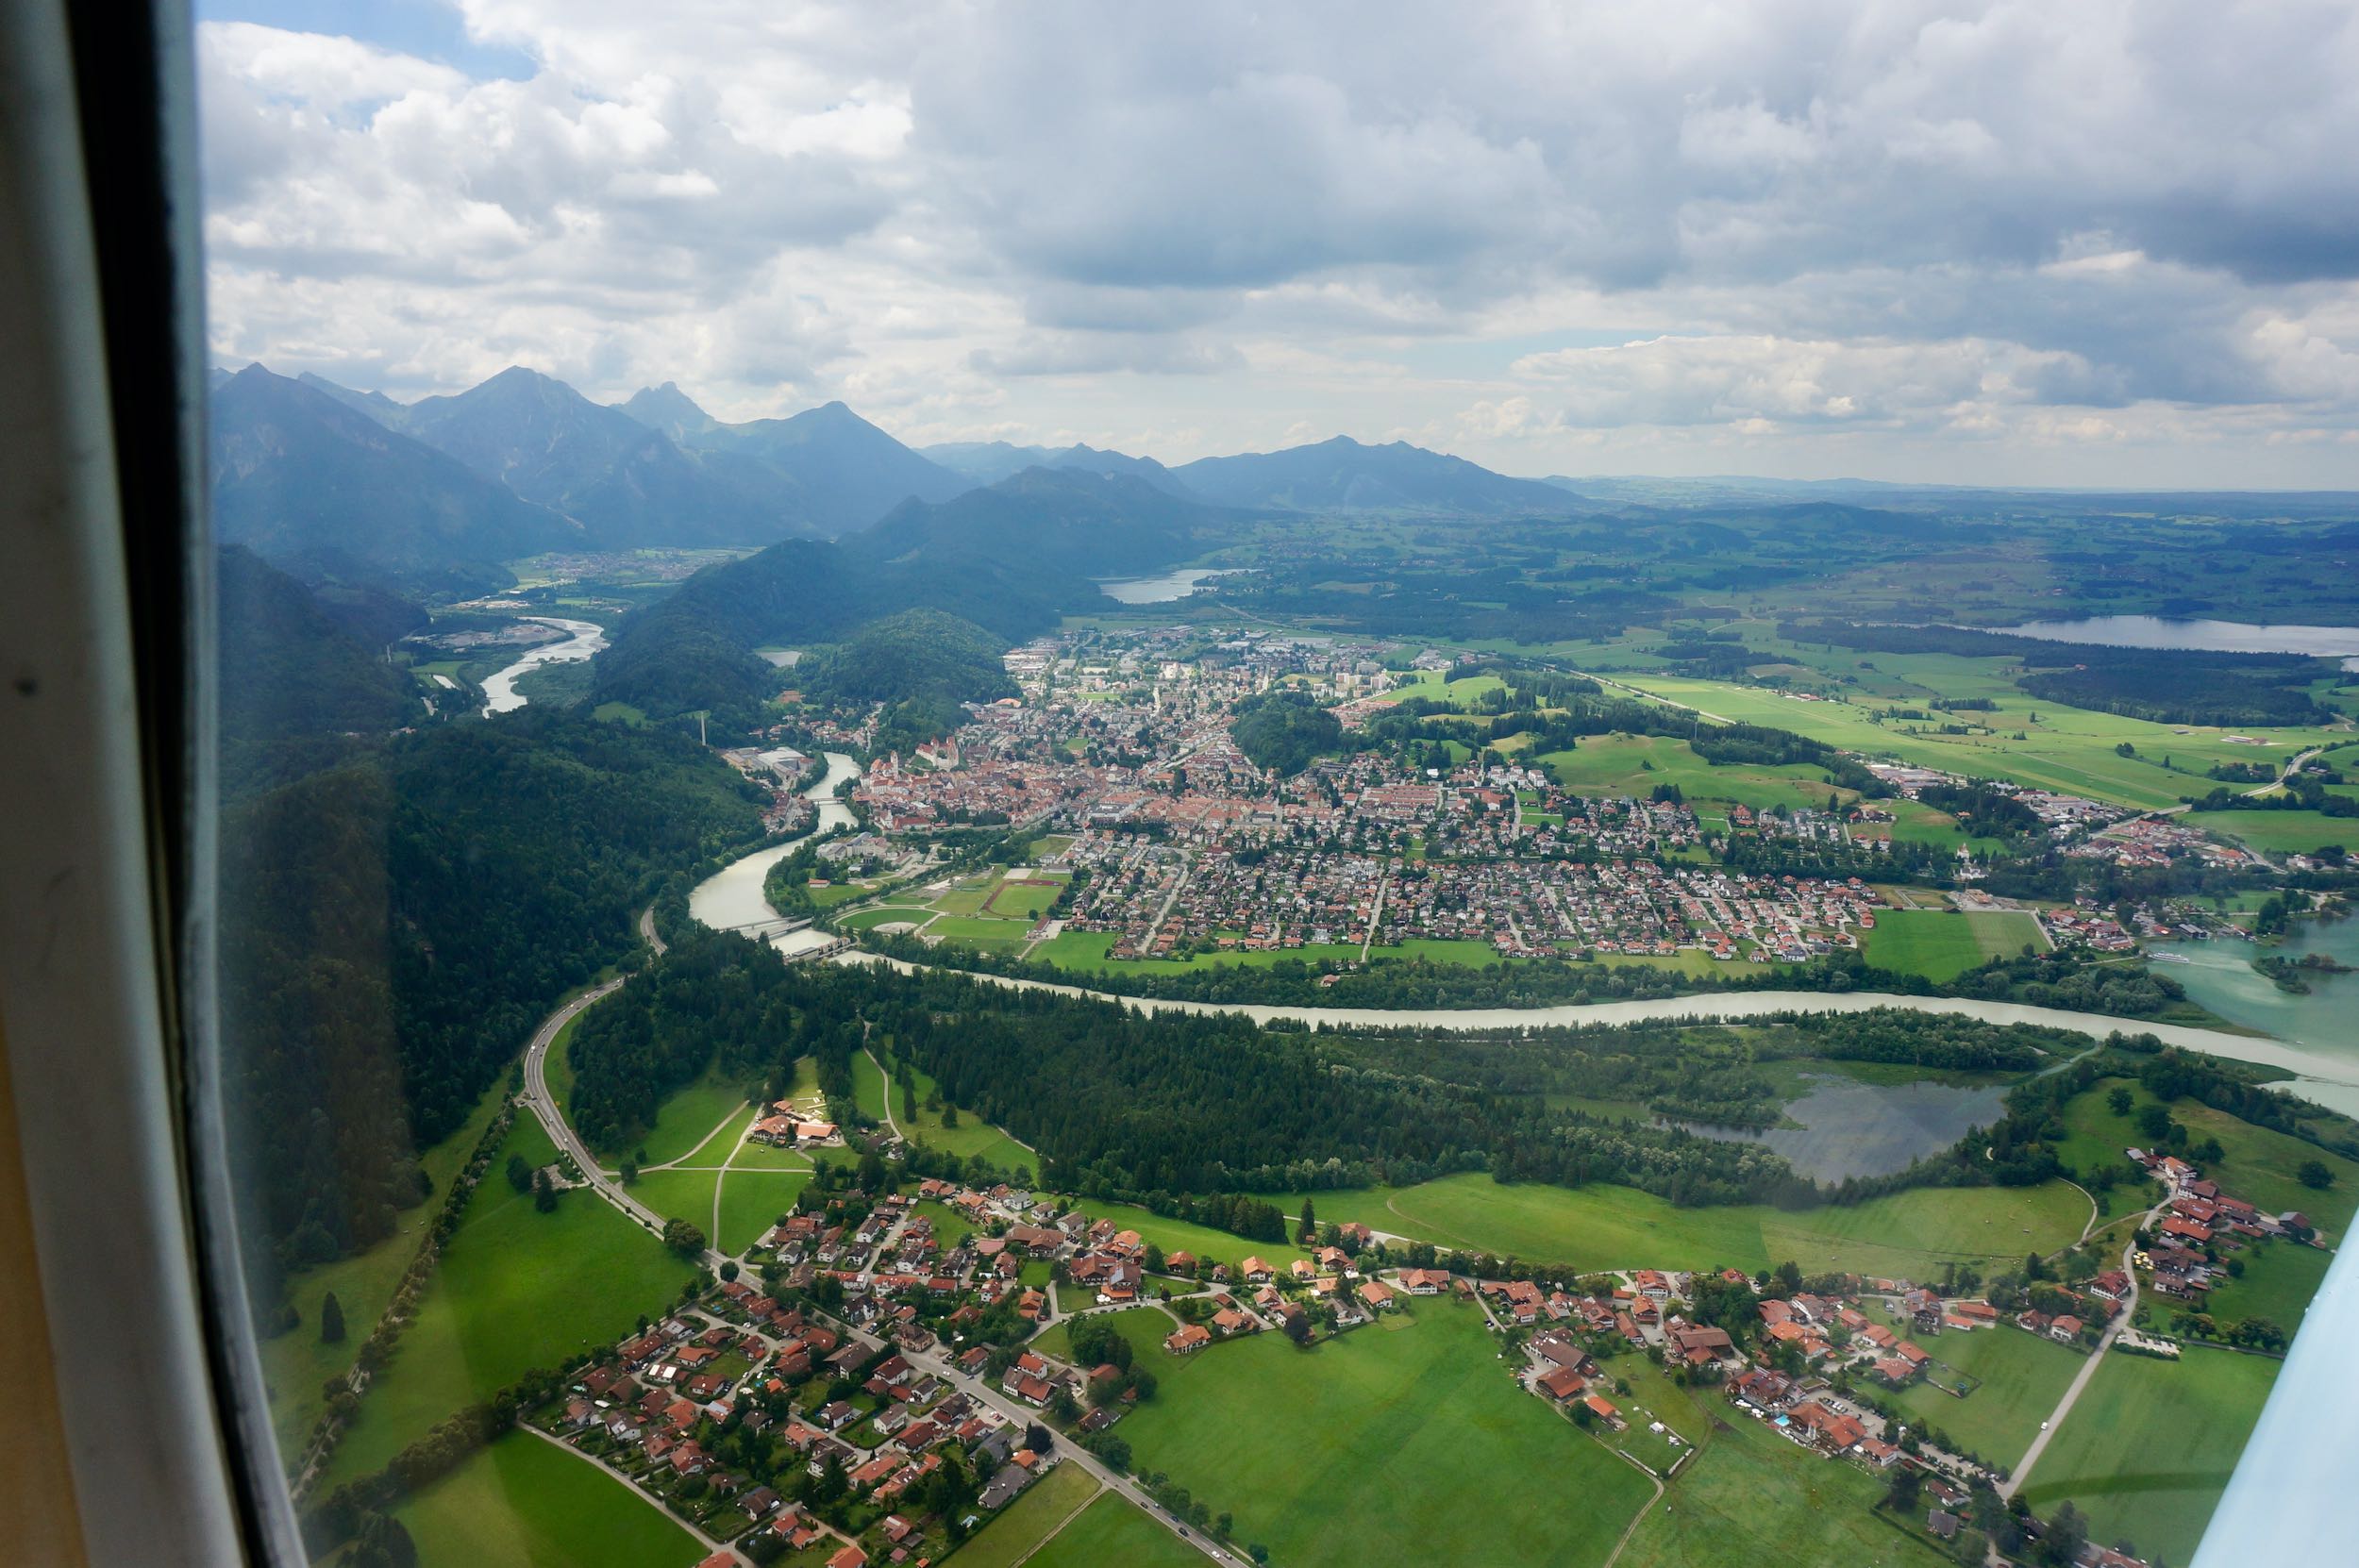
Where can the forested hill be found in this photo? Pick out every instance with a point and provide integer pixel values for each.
(295, 688)
(302, 477)
(393, 929)
(1009, 560)
(1342, 474)
(922, 664)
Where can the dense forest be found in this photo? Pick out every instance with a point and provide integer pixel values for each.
(1282, 732)
(921, 665)
(1125, 1107)
(392, 930)
(296, 691)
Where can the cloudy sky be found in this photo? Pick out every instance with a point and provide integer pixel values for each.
(2093, 243)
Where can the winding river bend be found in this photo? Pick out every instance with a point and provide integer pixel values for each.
(584, 639)
(731, 899)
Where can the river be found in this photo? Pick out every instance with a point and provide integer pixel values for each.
(586, 639)
(731, 900)
(2152, 631)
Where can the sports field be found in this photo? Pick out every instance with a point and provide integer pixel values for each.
(1392, 1443)
(1906, 1234)
(1942, 945)
(516, 1289)
(1112, 1531)
(2148, 1449)
(522, 1503)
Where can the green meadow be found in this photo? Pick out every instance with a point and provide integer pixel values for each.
(1404, 1440)
(1942, 945)
(2147, 1450)
(524, 1503)
(515, 1290)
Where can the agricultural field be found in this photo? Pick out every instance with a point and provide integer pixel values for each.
(524, 1503)
(1113, 1531)
(2279, 1279)
(1909, 1234)
(1752, 1496)
(1633, 765)
(2281, 832)
(2147, 1450)
(295, 1364)
(515, 1290)
(1942, 945)
(2018, 1378)
(751, 1202)
(1019, 1529)
(1395, 1433)
(2071, 749)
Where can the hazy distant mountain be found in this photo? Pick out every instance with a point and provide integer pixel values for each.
(845, 471)
(671, 410)
(302, 477)
(987, 463)
(1010, 559)
(383, 409)
(1342, 474)
(625, 483)
(1060, 522)
(850, 473)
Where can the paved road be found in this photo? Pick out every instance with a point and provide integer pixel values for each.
(982, 1393)
(544, 1106)
(2016, 1477)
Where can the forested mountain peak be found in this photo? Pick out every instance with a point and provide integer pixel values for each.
(1344, 475)
(302, 477)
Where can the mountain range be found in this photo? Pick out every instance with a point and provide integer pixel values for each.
(337, 481)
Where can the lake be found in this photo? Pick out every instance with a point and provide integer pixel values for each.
(2220, 976)
(1157, 590)
(2152, 631)
(1851, 1129)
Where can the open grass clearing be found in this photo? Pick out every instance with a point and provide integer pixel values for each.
(1909, 1234)
(2261, 1165)
(1752, 1497)
(1942, 945)
(2279, 1279)
(2280, 832)
(1634, 765)
(516, 1289)
(1383, 1436)
(751, 1202)
(1019, 1529)
(522, 1503)
(2018, 1378)
(1110, 1531)
(685, 1121)
(2147, 1450)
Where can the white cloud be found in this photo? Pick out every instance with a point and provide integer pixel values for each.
(1903, 222)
